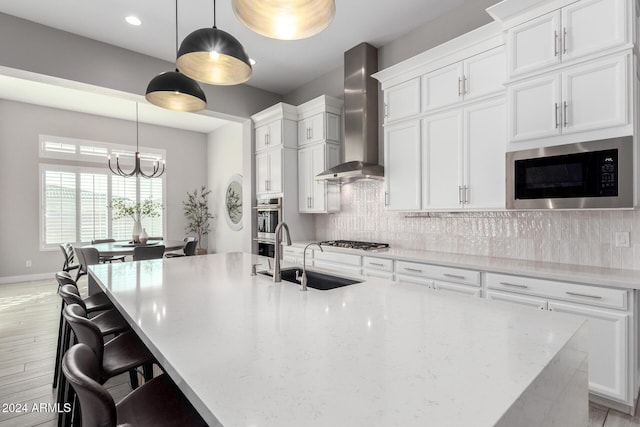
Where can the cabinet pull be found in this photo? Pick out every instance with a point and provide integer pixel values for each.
(460, 196)
(555, 43)
(564, 40)
(379, 264)
(414, 270)
(459, 86)
(386, 110)
(465, 89)
(266, 139)
(465, 194)
(310, 133)
(557, 110)
(564, 113)
(514, 285)
(386, 198)
(454, 276)
(575, 294)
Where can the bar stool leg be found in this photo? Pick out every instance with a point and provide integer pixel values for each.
(133, 377)
(59, 346)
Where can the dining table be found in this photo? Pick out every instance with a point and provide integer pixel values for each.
(124, 248)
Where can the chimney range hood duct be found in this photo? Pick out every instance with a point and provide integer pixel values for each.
(360, 118)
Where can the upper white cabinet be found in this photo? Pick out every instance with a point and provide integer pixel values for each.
(576, 31)
(275, 135)
(402, 168)
(319, 127)
(319, 137)
(477, 76)
(269, 135)
(402, 101)
(588, 96)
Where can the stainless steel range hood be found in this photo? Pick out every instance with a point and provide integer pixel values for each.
(360, 118)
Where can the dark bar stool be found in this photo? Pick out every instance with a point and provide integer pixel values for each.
(157, 403)
(189, 249)
(123, 353)
(93, 304)
(148, 252)
(108, 258)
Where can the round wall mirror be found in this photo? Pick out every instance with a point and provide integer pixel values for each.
(233, 202)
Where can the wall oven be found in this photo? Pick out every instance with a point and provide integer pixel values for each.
(269, 214)
(586, 175)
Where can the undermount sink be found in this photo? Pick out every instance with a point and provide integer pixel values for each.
(320, 281)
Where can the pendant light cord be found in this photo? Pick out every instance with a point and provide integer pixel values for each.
(137, 129)
(214, 14)
(176, 28)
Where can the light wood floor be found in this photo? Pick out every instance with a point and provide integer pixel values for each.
(29, 314)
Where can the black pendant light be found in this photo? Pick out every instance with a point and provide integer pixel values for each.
(285, 19)
(158, 165)
(214, 56)
(175, 91)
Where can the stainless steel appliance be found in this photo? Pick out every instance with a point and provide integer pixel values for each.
(354, 244)
(269, 214)
(586, 175)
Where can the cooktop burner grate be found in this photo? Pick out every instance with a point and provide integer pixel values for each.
(354, 244)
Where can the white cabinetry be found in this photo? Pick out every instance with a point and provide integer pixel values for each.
(608, 311)
(477, 76)
(269, 135)
(443, 279)
(350, 264)
(269, 171)
(317, 196)
(576, 31)
(319, 136)
(377, 267)
(402, 166)
(589, 96)
(402, 101)
(463, 157)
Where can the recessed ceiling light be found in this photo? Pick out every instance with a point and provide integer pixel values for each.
(252, 61)
(133, 20)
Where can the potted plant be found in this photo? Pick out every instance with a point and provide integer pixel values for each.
(196, 209)
(121, 208)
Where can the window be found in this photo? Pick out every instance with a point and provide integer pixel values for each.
(75, 195)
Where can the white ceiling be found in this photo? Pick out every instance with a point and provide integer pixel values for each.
(281, 67)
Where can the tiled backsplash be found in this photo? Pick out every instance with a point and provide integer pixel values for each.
(571, 237)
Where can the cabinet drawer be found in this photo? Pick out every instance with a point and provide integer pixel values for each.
(378, 273)
(583, 294)
(381, 264)
(337, 257)
(337, 267)
(449, 274)
(294, 250)
(402, 278)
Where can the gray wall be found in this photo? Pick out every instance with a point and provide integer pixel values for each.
(25, 45)
(20, 125)
(459, 21)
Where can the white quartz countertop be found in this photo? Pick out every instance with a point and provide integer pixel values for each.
(601, 276)
(248, 352)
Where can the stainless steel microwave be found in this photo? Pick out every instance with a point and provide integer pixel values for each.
(586, 175)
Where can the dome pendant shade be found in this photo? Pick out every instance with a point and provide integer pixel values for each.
(175, 91)
(285, 19)
(213, 56)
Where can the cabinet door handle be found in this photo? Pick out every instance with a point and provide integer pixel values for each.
(465, 89)
(266, 139)
(575, 294)
(564, 40)
(514, 285)
(460, 196)
(376, 264)
(414, 270)
(459, 86)
(310, 133)
(555, 43)
(386, 198)
(386, 110)
(564, 113)
(454, 276)
(556, 114)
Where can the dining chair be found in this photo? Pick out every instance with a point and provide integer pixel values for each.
(189, 249)
(86, 257)
(148, 252)
(69, 259)
(158, 402)
(108, 258)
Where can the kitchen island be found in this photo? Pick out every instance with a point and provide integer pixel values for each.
(248, 352)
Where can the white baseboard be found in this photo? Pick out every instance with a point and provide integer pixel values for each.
(26, 278)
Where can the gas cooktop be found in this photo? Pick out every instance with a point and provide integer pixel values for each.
(354, 244)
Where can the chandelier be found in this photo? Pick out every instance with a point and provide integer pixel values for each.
(137, 171)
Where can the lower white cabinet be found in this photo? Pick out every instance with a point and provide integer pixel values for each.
(608, 348)
(439, 278)
(609, 319)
